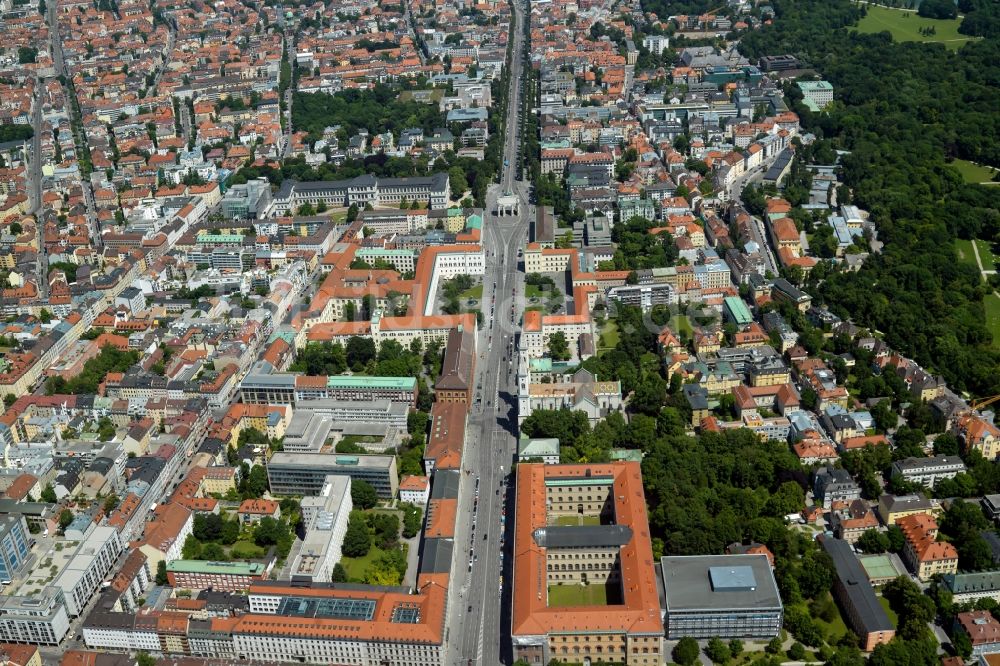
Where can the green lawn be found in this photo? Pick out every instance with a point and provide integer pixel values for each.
(579, 595)
(533, 291)
(992, 306)
(357, 566)
(475, 292)
(609, 335)
(905, 26)
(245, 547)
(573, 521)
(986, 254)
(963, 248)
(680, 324)
(974, 173)
(833, 630)
(888, 611)
(359, 439)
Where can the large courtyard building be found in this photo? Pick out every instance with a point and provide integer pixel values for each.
(365, 190)
(729, 596)
(584, 582)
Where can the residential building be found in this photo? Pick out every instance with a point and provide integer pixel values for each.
(892, 508)
(414, 489)
(38, 619)
(833, 484)
(976, 433)
(729, 596)
(166, 532)
(254, 509)
(982, 629)
(12, 654)
(928, 471)
(851, 523)
(972, 586)
(85, 571)
(923, 553)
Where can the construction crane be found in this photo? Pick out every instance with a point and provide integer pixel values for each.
(979, 403)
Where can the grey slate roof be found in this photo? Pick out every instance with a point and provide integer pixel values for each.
(852, 575)
(600, 536)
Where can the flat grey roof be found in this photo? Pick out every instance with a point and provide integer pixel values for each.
(328, 460)
(285, 381)
(688, 583)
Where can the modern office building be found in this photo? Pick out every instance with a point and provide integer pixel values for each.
(553, 559)
(729, 596)
(358, 411)
(261, 386)
(248, 201)
(307, 432)
(305, 473)
(861, 608)
(14, 548)
(325, 517)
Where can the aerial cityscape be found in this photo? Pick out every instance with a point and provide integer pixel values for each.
(520, 332)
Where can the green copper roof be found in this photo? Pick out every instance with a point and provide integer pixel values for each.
(348, 381)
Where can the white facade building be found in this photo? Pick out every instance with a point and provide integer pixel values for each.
(325, 517)
(88, 566)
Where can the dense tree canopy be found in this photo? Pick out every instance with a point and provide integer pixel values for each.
(903, 110)
(15, 132)
(377, 110)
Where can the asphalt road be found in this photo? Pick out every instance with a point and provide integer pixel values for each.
(479, 626)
